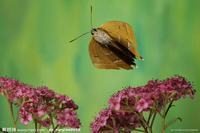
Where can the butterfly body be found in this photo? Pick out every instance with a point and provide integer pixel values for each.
(101, 36)
(113, 46)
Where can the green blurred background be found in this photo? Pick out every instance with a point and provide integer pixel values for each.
(34, 48)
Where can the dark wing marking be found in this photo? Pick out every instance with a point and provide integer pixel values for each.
(122, 52)
(106, 58)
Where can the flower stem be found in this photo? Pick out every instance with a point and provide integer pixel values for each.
(12, 113)
(165, 112)
(35, 121)
(143, 122)
(151, 123)
(139, 130)
(17, 117)
(51, 118)
(170, 105)
(163, 127)
(114, 122)
(54, 129)
(149, 118)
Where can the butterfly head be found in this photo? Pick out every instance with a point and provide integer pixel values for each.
(94, 31)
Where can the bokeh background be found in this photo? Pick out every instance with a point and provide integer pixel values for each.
(34, 48)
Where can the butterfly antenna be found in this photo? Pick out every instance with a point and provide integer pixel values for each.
(79, 37)
(91, 18)
(91, 24)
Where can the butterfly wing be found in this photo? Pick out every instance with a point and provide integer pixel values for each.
(123, 33)
(104, 58)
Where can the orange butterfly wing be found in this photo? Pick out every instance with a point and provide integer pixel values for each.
(123, 33)
(103, 58)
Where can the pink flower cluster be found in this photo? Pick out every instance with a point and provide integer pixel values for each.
(127, 107)
(13, 89)
(41, 105)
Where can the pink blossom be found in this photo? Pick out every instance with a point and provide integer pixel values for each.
(25, 117)
(68, 117)
(115, 102)
(39, 103)
(40, 111)
(142, 105)
(112, 121)
(46, 122)
(65, 101)
(100, 121)
(127, 106)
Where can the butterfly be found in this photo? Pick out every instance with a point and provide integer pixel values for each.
(113, 46)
